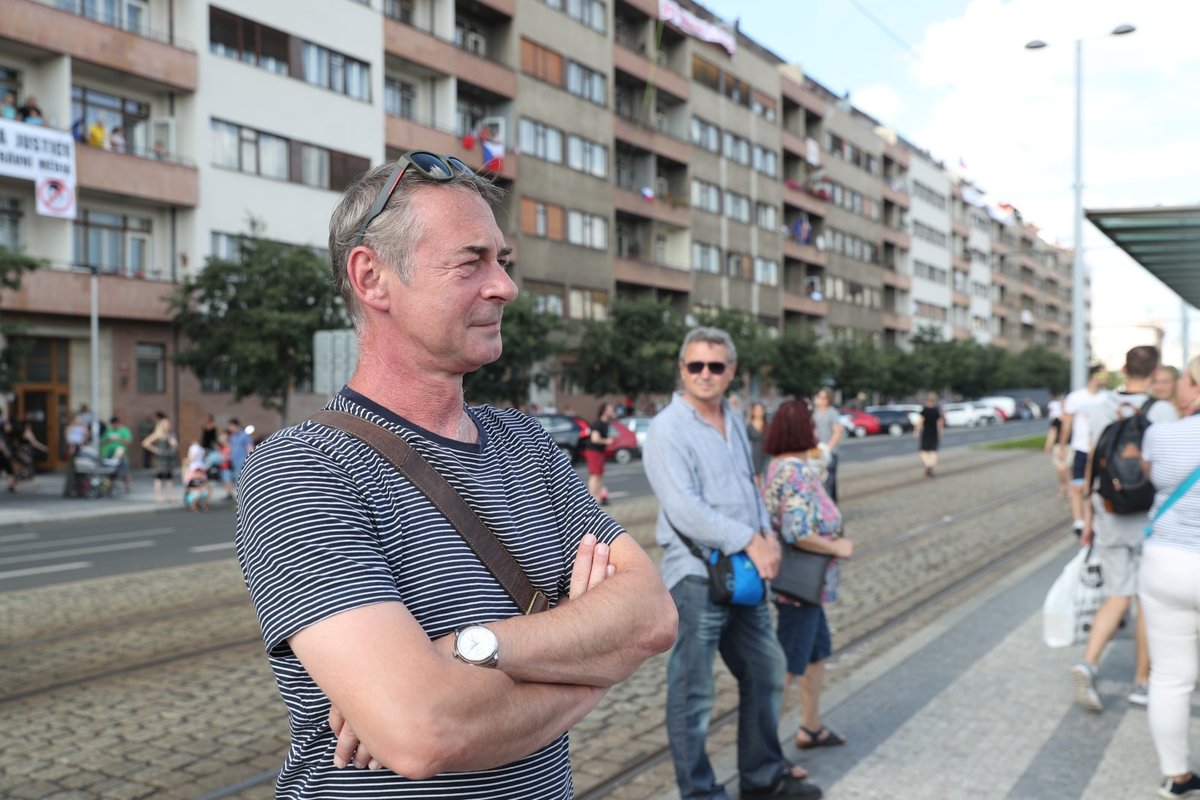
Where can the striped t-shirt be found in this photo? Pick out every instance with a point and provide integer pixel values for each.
(1172, 449)
(326, 525)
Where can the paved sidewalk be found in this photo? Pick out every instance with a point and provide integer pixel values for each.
(41, 500)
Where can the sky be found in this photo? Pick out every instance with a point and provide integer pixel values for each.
(954, 77)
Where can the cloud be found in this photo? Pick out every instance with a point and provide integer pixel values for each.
(880, 101)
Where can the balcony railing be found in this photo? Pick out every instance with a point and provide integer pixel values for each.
(112, 16)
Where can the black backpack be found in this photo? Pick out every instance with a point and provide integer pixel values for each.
(1117, 465)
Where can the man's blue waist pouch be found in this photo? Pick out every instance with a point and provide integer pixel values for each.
(734, 580)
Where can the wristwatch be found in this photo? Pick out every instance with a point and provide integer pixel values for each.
(477, 645)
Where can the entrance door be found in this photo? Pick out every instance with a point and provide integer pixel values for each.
(43, 396)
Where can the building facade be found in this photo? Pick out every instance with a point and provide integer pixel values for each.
(648, 150)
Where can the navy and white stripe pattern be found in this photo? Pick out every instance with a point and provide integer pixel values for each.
(1173, 451)
(326, 525)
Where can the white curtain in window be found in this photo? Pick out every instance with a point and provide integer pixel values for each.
(316, 64)
(358, 80)
(314, 166)
(273, 156)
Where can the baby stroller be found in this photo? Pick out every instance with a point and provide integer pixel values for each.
(91, 476)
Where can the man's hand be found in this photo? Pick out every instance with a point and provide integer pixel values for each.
(1086, 536)
(765, 552)
(591, 565)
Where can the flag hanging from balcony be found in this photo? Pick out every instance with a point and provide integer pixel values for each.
(493, 155)
(647, 194)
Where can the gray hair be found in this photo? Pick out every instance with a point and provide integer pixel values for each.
(394, 234)
(709, 335)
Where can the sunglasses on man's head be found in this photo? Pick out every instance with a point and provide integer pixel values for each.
(431, 165)
(714, 367)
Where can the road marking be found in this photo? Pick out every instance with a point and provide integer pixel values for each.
(21, 573)
(106, 537)
(79, 551)
(617, 495)
(18, 537)
(208, 548)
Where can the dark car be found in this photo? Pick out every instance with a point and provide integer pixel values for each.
(895, 421)
(568, 432)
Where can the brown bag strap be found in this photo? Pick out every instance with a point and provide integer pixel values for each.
(487, 547)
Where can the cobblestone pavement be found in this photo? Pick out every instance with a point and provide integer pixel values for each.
(195, 725)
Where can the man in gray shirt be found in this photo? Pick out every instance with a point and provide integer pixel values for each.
(828, 427)
(697, 458)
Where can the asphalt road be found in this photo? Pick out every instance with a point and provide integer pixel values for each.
(38, 555)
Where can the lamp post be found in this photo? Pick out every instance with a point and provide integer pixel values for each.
(1079, 350)
(95, 357)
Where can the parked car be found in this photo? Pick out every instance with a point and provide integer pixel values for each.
(895, 421)
(859, 423)
(624, 444)
(568, 432)
(960, 415)
(988, 415)
(639, 426)
(1007, 406)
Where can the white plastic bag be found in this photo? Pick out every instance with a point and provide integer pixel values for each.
(1072, 602)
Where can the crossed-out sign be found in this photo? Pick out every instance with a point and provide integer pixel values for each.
(55, 198)
(46, 157)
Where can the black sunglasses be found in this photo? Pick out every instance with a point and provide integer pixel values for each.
(431, 165)
(714, 367)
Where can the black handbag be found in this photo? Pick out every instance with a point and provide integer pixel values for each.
(801, 575)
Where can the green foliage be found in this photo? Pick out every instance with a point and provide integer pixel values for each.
(801, 365)
(1041, 367)
(529, 338)
(635, 351)
(14, 265)
(253, 319)
(855, 368)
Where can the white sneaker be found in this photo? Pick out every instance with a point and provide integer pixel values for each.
(1083, 677)
(1140, 695)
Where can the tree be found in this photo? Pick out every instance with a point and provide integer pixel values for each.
(251, 320)
(529, 338)
(801, 365)
(13, 266)
(855, 368)
(1038, 367)
(633, 352)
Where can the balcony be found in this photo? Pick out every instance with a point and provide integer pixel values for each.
(1000, 248)
(897, 153)
(961, 262)
(53, 31)
(647, 71)
(801, 96)
(68, 293)
(960, 299)
(446, 58)
(896, 237)
(651, 139)
(647, 7)
(1000, 341)
(895, 195)
(897, 280)
(800, 303)
(959, 227)
(795, 195)
(651, 273)
(798, 145)
(962, 334)
(405, 134)
(804, 252)
(506, 7)
(669, 210)
(127, 175)
(897, 322)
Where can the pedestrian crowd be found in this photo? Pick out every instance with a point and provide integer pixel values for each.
(28, 111)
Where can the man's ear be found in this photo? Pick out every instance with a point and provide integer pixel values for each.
(369, 277)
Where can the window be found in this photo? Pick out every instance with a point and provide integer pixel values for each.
(314, 166)
(735, 147)
(706, 135)
(541, 62)
(931, 235)
(706, 258)
(151, 368)
(218, 377)
(739, 265)
(930, 273)
(587, 83)
(930, 196)
(737, 206)
(706, 73)
(541, 141)
(587, 230)
(399, 98)
(115, 244)
(930, 311)
(225, 246)
(766, 216)
(332, 70)
(592, 13)
(10, 223)
(234, 37)
(766, 271)
(848, 244)
(706, 196)
(113, 111)
(765, 160)
(587, 304)
(587, 156)
(547, 297)
(257, 153)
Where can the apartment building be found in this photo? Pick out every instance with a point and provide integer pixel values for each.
(648, 150)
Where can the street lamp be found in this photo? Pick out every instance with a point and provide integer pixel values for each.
(95, 357)
(1078, 324)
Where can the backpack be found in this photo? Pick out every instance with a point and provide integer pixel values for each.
(1117, 465)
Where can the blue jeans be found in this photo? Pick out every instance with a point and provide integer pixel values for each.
(746, 640)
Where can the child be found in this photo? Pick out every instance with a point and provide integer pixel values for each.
(195, 480)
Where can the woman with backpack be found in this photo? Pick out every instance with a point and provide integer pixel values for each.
(1167, 586)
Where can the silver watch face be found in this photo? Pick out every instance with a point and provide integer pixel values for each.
(477, 644)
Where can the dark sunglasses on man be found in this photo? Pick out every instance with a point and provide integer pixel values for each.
(714, 367)
(431, 165)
